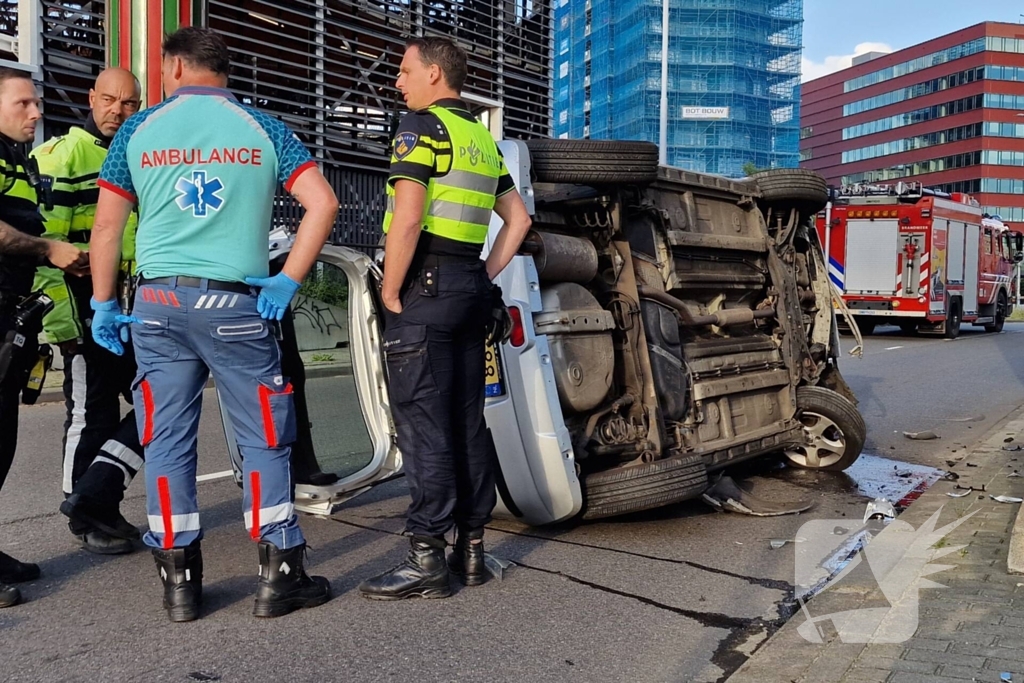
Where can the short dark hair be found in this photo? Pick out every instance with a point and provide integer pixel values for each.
(202, 48)
(7, 74)
(446, 54)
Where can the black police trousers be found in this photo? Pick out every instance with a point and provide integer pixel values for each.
(102, 453)
(435, 361)
(11, 386)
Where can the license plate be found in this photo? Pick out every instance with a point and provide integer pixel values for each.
(493, 384)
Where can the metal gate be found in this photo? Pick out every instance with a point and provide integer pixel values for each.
(73, 55)
(328, 67)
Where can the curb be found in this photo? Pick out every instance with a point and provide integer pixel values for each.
(1015, 555)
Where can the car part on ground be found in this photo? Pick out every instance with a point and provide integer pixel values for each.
(728, 496)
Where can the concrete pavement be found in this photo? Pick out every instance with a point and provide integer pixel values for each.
(971, 630)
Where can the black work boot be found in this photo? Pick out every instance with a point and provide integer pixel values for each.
(9, 596)
(13, 571)
(284, 585)
(99, 543)
(181, 570)
(110, 521)
(467, 560)
(423, 574)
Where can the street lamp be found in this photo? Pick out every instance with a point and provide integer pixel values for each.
(663, 129)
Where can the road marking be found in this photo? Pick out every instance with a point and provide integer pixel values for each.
(215, 475)
(893, 348)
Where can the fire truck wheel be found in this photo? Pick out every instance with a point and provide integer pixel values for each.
(908, 327)
(792, 187)
(834, 431)
(953, 319)
(867, 326)
(593, 162)
(997, 326)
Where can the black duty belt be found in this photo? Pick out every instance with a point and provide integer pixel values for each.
(216, 285)
(79, 236)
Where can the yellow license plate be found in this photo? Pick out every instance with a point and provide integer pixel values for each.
(493, 385)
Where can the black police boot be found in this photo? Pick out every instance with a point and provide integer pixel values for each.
(9, 596)
(13, 571)
(284, 585)
(423, 574)
(467, 560)
(99, 543)
(81, 512)
(181, 570)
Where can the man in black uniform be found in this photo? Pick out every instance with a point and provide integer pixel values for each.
(21, 251)
(447, 176)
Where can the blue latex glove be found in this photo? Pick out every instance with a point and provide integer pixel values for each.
(276, 293)
(109, 327)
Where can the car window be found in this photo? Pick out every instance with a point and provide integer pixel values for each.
(340, 440)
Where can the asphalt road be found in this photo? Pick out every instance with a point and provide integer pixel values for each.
(678, 594)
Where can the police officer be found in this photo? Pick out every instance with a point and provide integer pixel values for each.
(205, 195)
(101, 449)
(446, 177)
(21, 250)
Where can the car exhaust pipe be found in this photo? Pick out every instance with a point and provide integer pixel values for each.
(728, 317)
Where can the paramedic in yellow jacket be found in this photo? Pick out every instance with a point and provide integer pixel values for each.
(101, 450)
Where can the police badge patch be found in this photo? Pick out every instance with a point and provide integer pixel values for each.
(404, 144)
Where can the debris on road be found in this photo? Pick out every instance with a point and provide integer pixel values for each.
(496, 567)
(1008, 439)
(1013, 474)
(1005, 677)
(1006, 499)
(954, 494)
(727, 495)
(950, 476)
(881, 508)
(921, 436)
(1014, 448)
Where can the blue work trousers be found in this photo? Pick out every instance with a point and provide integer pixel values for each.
(183, 334)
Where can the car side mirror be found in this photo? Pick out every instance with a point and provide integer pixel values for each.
(1018, 242)
(1018, 257)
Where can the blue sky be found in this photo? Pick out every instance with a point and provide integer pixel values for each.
(835, 30)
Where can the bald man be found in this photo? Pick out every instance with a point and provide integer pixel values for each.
(101, 451)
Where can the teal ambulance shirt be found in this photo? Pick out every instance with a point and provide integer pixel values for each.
(204, 170)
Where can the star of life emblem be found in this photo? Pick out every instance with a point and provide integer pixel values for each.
(199, 194)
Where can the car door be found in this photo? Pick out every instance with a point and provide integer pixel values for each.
(346, 440)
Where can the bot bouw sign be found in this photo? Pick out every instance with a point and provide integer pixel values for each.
(706, 113)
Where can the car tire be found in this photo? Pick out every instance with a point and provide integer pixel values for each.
(834, 429)
(953, 319)
(1000, 315)
(593, 162)
(641, 487)
(794, 187)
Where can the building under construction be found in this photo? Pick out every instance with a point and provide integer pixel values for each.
(325, 67)
(733, 78)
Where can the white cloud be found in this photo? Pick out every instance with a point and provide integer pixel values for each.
(811, 69)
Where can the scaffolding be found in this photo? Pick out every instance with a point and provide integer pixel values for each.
(733, 78)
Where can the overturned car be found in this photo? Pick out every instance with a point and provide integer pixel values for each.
(667, 324)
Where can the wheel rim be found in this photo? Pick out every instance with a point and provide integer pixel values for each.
(825, 443)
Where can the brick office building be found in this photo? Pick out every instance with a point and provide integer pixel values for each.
(948, 113)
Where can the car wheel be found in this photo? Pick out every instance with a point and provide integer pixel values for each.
(953, 319)
(593, 162)
(834, 431)
(997, 326)
(642, 487)
(794, 187)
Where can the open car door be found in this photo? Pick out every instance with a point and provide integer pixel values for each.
(331, 351)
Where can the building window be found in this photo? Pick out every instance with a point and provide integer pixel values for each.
(915, 168)
(806, 132)
(918, 90)
(909, 67)
(806, 154)
(917, 142)
(919, 116)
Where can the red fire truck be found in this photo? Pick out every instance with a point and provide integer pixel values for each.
(921, 259)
